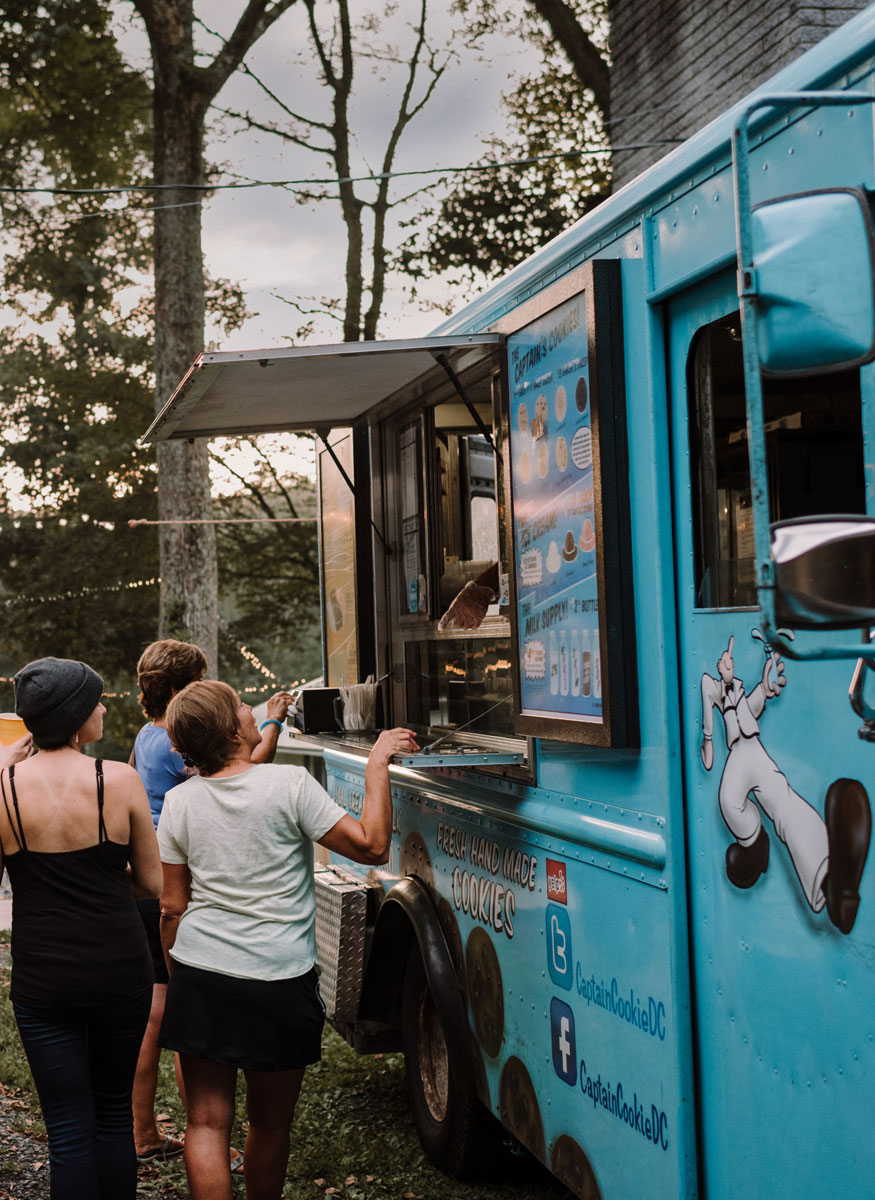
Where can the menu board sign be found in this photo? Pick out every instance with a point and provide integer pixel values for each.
(564, 464)
(337, 511)
(554, 516)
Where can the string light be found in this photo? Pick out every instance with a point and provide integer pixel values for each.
(256, 662)
(87, 591)
(226, 521)
(252, 658)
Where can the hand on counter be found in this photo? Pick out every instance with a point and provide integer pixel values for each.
(392, 742)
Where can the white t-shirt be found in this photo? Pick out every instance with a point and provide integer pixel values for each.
(248, 842)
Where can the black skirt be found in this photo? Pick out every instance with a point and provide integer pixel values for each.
(254, 1024)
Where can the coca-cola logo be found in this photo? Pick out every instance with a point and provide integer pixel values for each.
(557, 889)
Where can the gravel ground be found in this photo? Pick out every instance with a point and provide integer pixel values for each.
(24, 1165)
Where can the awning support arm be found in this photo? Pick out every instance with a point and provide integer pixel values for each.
(463, 395)
(349, 483)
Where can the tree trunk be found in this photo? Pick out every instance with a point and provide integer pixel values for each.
(592, 69)
(189, 582)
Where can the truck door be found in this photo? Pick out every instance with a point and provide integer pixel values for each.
(782, 986)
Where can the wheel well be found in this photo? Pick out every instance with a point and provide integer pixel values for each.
(408, 921)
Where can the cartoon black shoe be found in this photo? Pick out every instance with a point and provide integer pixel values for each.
(745, 864)
(848, 820)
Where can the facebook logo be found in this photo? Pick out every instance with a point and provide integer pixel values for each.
(559, 961)
(562, 1037)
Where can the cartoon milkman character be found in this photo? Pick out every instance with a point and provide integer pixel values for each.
(828, 854)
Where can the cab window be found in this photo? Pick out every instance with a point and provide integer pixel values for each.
(814, 443)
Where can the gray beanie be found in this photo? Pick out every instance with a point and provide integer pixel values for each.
(55, 697)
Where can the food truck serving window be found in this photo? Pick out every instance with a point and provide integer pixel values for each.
(814, 443)
(444, 489)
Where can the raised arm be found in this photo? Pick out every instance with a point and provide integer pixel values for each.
(367, 840)
(16, 751)
(277, 707)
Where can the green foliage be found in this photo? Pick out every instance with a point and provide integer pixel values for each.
(269, 581)
(76, 390)
(490, 221)
(75, 394)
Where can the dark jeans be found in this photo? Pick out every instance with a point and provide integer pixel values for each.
(83, 1062)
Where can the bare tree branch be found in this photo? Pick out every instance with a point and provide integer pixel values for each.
(381, 205)
(280, 103)
(271, 469)
(255, 20)
(256, 495)
(251, 123)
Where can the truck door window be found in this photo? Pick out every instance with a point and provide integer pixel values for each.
(814, 443)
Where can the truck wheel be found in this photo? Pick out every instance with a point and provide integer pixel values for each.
(454, 1127)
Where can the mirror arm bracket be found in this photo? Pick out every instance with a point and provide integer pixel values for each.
(747, 294)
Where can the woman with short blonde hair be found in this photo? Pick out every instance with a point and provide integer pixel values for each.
(237, 920)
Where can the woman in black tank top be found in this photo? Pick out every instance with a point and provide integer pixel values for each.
(77, 839)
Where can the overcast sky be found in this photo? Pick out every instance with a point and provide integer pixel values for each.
(271, 246)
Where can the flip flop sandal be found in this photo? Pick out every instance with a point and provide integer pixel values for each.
(169, 1148)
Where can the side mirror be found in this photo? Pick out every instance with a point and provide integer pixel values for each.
(824, 572)
(814, 281)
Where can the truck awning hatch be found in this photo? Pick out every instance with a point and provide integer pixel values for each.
(308, 387)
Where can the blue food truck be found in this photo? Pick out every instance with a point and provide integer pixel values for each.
(627, 915)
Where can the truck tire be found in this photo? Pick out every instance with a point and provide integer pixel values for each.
(455, 1130)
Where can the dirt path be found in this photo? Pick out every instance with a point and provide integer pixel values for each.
(24, 1161)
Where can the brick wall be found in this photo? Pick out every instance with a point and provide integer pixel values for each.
(677, 64)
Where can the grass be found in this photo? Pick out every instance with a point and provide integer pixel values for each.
(353, 1137)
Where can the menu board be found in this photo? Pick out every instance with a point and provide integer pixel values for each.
(337, 511)
(555, 522)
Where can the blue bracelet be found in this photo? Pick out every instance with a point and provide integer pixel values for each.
(271, 721)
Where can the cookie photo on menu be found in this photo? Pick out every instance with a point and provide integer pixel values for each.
(581, 395)
(525, 466)
(541, 410)
(523, 419)
(543, 460)
(518, 1106)
(561, 453)
(561, 403)
(587, 536)
(485, 990)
